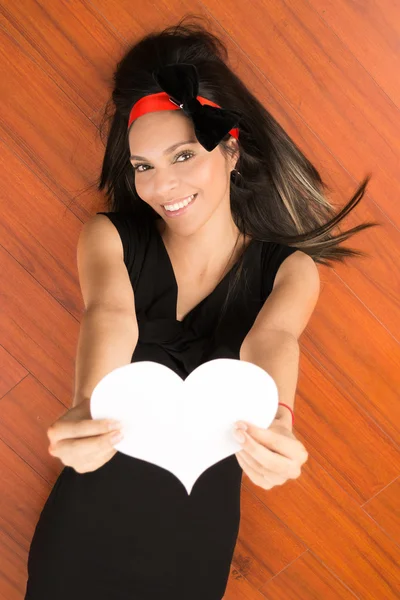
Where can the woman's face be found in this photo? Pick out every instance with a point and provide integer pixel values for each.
(187, 169)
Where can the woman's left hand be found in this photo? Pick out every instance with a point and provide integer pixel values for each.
(271, 456)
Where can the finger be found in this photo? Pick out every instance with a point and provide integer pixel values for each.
(98, 456)
(99, 443)
(68, 429)
(100, 460)
(253, 475)
(261, 479)
(93, 464)
(276, 441)
(269, 459)
(86, 448)
(254, 464)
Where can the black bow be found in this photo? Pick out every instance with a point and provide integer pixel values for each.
(211, 124)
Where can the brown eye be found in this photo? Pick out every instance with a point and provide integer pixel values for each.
(188, 153)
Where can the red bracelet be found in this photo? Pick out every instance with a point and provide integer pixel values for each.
(281, 404)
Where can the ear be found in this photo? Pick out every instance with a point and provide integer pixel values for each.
(233, 143)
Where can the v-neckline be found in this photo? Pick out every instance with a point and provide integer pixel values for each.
(171, 268)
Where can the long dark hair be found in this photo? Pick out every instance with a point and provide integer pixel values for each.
(279, 195)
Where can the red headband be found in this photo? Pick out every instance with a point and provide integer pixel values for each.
(162, 101)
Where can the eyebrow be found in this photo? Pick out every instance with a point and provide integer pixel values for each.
(168, 150)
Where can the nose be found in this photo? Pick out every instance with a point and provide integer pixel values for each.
(165, 182)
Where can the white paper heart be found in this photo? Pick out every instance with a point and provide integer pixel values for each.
(185, 426)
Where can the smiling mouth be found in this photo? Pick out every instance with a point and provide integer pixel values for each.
(179, 205)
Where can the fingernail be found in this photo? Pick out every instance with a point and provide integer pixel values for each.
(241, 425)
(117, 437)
(114, 425)
(239, 436)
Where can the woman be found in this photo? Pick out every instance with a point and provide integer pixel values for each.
(251, 199)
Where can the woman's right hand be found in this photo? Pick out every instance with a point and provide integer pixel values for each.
(81, 442)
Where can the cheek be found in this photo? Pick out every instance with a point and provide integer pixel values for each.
(143, 187)
(198, 175)
(207, 175)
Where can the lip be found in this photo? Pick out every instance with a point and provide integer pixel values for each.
(176, 213)
(177, 201)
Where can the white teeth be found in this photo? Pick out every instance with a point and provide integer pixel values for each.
(178, 205)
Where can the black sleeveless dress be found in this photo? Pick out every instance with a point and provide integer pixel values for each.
(129, 530)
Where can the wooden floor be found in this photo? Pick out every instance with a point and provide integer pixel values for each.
(329, 72)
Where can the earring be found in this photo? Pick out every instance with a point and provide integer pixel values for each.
(236, 176)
